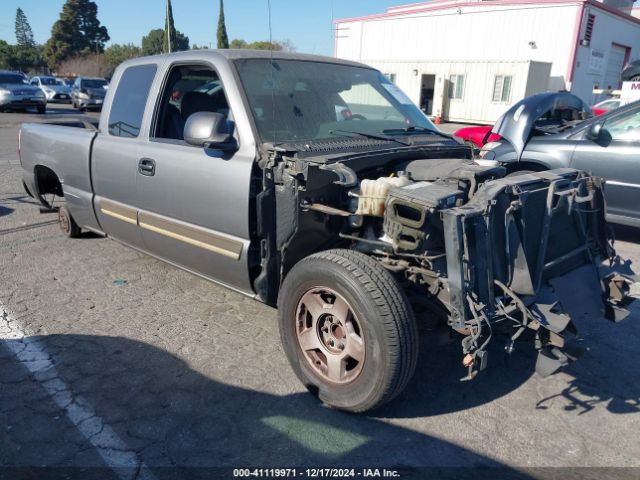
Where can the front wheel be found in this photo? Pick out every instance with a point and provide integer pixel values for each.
(42, 110)
(347, 329)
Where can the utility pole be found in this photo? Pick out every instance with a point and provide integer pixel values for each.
(168, 28)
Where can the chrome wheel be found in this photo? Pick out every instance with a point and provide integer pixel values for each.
(329, 335)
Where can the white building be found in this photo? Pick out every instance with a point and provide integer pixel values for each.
(470, 60)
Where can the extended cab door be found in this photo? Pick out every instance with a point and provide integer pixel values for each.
(116, 152)
(194, 202)
(615, 156)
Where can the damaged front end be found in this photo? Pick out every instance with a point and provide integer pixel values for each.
(532, 250)
(490, 254)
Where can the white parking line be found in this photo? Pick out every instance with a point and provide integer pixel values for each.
(33, 355)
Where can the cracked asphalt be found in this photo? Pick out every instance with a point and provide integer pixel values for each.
(115, 365)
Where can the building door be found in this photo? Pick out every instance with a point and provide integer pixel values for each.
(427, 87)
(615, 64)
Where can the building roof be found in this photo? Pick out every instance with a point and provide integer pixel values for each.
(435, 5)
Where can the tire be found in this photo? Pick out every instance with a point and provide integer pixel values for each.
(359, 307)
(635, 78)
(42, 110)
(67, 224)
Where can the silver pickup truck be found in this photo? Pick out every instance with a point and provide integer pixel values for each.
(316, 185)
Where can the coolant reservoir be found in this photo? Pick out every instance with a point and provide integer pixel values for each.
(373, 194)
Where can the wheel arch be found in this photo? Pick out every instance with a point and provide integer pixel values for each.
(46, 182)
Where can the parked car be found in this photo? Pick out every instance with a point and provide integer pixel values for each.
(607, 146)
(573, 109)
(338, 220)
(88, 93)
(631, 72)
(476, 135)
(606, 105)
(17, 94)
(54, 89)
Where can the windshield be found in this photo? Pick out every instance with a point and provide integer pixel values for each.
(294, 100)
(49, 81)
(11, 79)
(94, 83)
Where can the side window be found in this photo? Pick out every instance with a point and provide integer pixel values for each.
(129, 101)
(188, 89)
(456, 86)
(625, 127)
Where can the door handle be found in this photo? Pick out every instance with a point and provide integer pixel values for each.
(147, 166)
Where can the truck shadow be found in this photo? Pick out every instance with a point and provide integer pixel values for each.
(5, 211)
(183, 424)
(604, 377)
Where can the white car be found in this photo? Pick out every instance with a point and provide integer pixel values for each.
(55, 90)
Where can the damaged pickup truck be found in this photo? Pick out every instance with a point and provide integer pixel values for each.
(316, 185)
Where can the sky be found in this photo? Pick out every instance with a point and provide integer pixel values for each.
(306, 23)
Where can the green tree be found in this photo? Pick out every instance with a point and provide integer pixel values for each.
(24, 34)
(223, 39)
(24, 55)
(284, 45)
(238, 43)
(118, 53)
(6, 55)
(78, 31)
(155, 42)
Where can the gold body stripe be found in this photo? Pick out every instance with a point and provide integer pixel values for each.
(192, 241)
(118, 216)
(192, 235)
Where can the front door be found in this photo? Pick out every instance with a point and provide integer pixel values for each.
(194, 202)
(614, 157)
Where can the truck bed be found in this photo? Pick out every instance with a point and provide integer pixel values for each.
(65, 148)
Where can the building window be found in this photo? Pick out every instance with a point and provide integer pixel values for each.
(588, 31)
(391, 77)
(456, 86)
(502, 88)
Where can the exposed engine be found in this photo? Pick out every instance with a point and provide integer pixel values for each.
(488, 252)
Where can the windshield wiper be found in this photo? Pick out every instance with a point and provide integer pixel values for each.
(413, 128)
(369, 135)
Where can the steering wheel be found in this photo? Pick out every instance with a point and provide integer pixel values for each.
(356, 116)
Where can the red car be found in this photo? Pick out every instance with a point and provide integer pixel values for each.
(476, 135)
(605, 106)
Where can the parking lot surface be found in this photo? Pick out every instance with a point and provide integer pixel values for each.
(115, 365)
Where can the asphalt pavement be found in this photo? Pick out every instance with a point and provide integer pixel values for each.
(115, 365)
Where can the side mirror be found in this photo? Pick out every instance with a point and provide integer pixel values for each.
(594, 131)
(208, 130)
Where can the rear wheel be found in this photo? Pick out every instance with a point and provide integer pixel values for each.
(347, 329)
(635, 78)
(67, 224)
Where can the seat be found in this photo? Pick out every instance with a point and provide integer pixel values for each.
(193, 102)
(174, 126)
